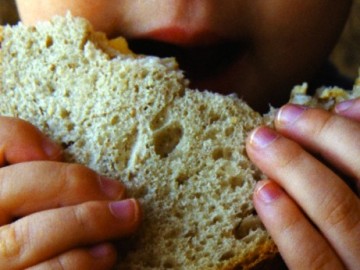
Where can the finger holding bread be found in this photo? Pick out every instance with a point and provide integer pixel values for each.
(292, 231)
(55, 185)
(334, 138)
(99, 257)
(20, 141)
(66, 228)
(320, 193)
(349, 108)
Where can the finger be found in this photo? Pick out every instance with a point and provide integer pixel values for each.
(349, 108)
(100, 257)
(298, 241)
(20, 141)
(323, 196)
(30, 187)
(336, 138)
(41, 236)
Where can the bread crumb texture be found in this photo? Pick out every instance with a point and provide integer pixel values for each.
(132, 117)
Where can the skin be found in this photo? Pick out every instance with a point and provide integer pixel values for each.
(304, 200)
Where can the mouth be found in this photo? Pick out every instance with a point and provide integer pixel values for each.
(199, 62)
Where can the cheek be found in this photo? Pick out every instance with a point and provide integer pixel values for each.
(297, 36)
(94, 10)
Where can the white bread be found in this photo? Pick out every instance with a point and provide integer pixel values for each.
(181, 152)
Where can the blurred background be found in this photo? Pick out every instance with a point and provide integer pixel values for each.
(346, 55)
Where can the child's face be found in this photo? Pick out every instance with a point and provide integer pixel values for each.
(257, 48)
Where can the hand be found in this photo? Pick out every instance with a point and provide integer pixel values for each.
(309, 210)
(56, 215)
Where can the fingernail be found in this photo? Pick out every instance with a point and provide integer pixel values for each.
(344, 106)
(263, 137)
(125, 210)
(101, 250)
(112, 188)
(268, 191)
(289, 113)
(50, 148)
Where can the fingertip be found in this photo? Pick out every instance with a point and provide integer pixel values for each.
(112, 188)
(103, 251)
(51, 150)
(267, 191)
(344, 106)
(104, 255)
(21, 141)
(289, 114)
(128, 212)
(262, 137)
(349, 108)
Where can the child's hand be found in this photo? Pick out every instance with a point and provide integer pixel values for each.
(56, 215)
(312, 215)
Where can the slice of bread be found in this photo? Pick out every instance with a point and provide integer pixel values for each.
(181, 152)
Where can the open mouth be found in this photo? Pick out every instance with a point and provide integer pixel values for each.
(198, 62)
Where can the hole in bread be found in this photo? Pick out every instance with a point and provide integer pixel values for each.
(64, 113)
(246, 209)
(229, 131)
(227, 255)
(236, 181)
(246, 226)
(222, 153)
(181, 179)
(67, 144)
(70, 127)
(166, 140)
(49, 41)
(214, 117)
(202, 108)
(216, 219)
(114, 120)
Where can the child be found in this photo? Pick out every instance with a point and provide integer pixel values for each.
(260, 50)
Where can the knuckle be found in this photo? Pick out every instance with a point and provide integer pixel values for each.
(319, 260)
(57, 264)
(85, 217)
(78, 177)
(328, 122)
(289, 159)
(342, 214)
(17, 125)
(292, 224)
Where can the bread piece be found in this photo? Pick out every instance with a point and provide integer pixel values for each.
(324, 97)
(181, 152)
